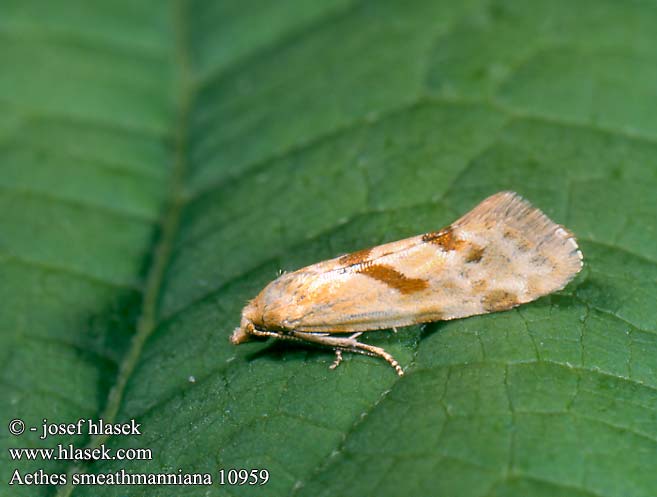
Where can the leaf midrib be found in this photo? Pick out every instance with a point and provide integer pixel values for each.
(170, 221)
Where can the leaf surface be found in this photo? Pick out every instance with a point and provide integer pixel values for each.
(161, 162)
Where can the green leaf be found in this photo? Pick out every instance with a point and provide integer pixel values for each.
(159, 163)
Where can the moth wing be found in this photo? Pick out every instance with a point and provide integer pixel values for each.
(501, 254)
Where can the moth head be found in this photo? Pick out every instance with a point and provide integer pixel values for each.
(240, 335)
(245, 331)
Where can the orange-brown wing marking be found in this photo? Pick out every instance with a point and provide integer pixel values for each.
(394, 278)
(357, 257)
(445, 238)
(499, 300)
(475, 253)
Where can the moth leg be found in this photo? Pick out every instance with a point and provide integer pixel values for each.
(338, 359)
(379, 352)
(349, 344)
(338, 352)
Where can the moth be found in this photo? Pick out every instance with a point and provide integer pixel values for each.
(501, 254)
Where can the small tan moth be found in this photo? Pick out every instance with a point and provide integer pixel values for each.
(501, 254)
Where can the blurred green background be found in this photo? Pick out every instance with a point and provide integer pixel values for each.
(161, 161)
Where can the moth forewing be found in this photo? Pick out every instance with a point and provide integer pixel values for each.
(502, 253)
